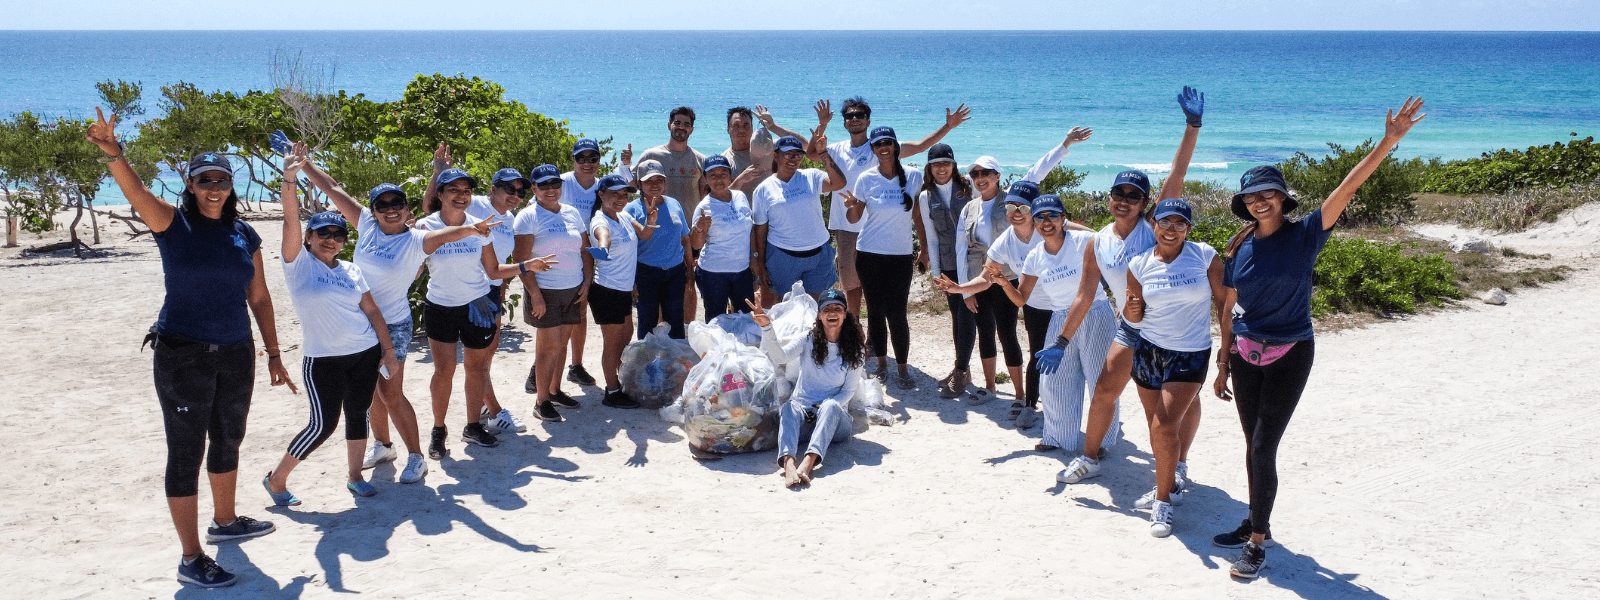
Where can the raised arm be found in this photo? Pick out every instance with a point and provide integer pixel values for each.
(293, 235)
(157, 214)
(1396, 126)
(347, 205)
(765, 117)
(1056, 154)
(853, 207)
(835, 180)
(496, 270)
(952, 119)
(441, 161)
(1193, 104)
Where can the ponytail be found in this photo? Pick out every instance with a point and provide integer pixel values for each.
(900, 174)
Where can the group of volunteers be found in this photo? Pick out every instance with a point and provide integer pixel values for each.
(679, 236)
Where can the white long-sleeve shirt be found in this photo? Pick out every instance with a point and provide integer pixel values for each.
(830, 380)
(1036, 173)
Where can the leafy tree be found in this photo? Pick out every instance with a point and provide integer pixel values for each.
(1386, 196)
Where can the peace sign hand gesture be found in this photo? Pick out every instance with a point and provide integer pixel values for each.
(103, 133)
(757, 314)
(441, 157)
(483, 227)
(852, 202)
(1397, 125)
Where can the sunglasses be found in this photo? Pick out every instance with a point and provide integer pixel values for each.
(853, 116)
(883, 143)
(214, 184)
(1047, 216)
(518, 191)
(976, 173)
(1016, 208)
(332, 233)
(587, 159)
(1178, 226)
(1127, 198)
(391, 206)
(1255, 197)
(549, 185)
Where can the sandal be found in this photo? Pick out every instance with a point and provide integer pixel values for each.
(1043, 447)
(904, 381)
(978, 397)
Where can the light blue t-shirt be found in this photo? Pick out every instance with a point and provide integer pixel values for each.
(664, 249)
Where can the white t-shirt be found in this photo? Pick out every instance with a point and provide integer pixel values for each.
(792, 210)
(575, 195)
(455, 270)
(1112, 254)
(328, 301)
(886, 224)
(501, 235)
(560, 234)
(1012, 252)
(727, 248)
(618, 272)
(390, 264)
(1058, 273)
(852, 161)
(1177, 298)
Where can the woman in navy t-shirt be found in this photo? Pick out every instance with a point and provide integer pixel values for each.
(1270, 355)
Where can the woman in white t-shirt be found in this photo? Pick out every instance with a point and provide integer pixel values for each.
(580, 189)
(555, 298)
(789, 240)
(615, 250)
(345, 337)
(1172, 289)
(721, 234)
(881, 201)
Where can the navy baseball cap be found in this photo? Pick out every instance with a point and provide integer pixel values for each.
(544, 173)
(1173, 206)
(508, 175)
(453, 175)
(1047, 203)
(614, 182)
(327, 218)
(941, 153)
(1135, 178)
(880, 134)
(716, 161)
(788, 143)
(585, 145)
(1261, 179)
(385, 188)
(209, 162)
(832, 296)
(1022, 192)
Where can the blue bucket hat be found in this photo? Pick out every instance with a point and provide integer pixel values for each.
(454, 175)
(508, 175)
(880, 134)
(1135, 178)
(327, 218)
(716, 161)
(614, 182)
(544, 173)
(1261, 179)
(384, 188)
(585, 145)
(1047, 203)
(788, 143)
(1173, 206)
(1022, 192)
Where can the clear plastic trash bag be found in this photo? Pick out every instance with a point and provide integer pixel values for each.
(653, 368)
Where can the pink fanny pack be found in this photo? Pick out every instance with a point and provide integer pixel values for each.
(1257, 353)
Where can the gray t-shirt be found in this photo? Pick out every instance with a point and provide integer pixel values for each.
(740, 159)
(683, 170)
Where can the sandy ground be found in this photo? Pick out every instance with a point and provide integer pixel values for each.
(1446, 455)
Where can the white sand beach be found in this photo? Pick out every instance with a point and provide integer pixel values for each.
(1447, 455)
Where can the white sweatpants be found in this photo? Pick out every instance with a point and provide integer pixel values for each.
(1064, 393)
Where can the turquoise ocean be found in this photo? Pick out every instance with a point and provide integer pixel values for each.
(1269, 94)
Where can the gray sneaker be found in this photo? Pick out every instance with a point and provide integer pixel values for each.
(1027, 417)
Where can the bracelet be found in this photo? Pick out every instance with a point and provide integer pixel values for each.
(106, 160)
(522, 266)
(271, 356)
(1062, 341)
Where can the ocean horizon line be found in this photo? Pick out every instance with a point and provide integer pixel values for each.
(832, 30)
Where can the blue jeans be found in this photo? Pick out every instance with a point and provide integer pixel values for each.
(816, 271)
(830, 424)
(718, 290)
(660, 292)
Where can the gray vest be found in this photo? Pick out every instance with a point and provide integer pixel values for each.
(943, 214)
(977, 251)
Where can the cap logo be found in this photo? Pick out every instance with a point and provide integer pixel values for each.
(209, 157)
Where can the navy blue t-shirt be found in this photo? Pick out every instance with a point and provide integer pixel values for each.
(207, 266)
(1273, 278)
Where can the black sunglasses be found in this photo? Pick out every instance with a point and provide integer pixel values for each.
(214, 184)
(1128, 198)
(332, 233)
(549, 185)
(390, 206)
(851, 116)
(587, 159)
(884, 143)
(982, 172)
(518, 191)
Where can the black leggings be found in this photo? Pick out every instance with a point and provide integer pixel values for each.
(1036, 321)
(1266, 397)
(964, 328)
(204, 391)
(334, 383)
(998, 316)
(886, 284)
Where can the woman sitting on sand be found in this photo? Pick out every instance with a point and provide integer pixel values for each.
(205, 360)
(829, 376)
(1169, 288)
(1269, 358)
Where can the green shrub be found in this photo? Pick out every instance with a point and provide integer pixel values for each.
(1360, 275)
(1515, 210)
(1575, 162)
(1385, 198)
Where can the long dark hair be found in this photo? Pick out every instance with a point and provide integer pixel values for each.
(191, 206)
(851, 349)
(963, 187)
(900, 174)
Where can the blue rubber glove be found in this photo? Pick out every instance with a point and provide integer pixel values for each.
(600, 253)
(280, 142)
(1050, 358)
(1193, 104)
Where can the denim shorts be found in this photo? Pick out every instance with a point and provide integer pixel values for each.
(816, 272)
(1127, 335)
(400, 336)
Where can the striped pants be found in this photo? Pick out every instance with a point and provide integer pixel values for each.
(335, 383)
(1064, 393)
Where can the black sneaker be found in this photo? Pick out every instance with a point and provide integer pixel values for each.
(618, 399)
(1238, 537)
(475, 434)
(531, 384)
(436, 449)
(546, 411)
(562, 400)
(1250, 562)
(242, 527)
(577, 374)
(204, 572)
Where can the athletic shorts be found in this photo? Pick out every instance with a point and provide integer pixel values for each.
(609, 307)
(559, 309)
(450, 324)
(400, 336)
(1154, 366)
(1127, 335)
(845, 243)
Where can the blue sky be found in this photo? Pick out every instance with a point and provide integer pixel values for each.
(1559, 15)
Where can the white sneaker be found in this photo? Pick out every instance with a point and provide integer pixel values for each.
(1149, 499)
(1161, 519)
(505, 421)
(1183, 476)
(1079, 469)
(416, 467)
(377, 453)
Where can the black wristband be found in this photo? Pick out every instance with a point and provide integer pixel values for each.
(1062, 341)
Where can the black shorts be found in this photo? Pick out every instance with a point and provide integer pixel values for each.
(1154, 366)
(560, 308)
(609, 307)
(450, 324)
